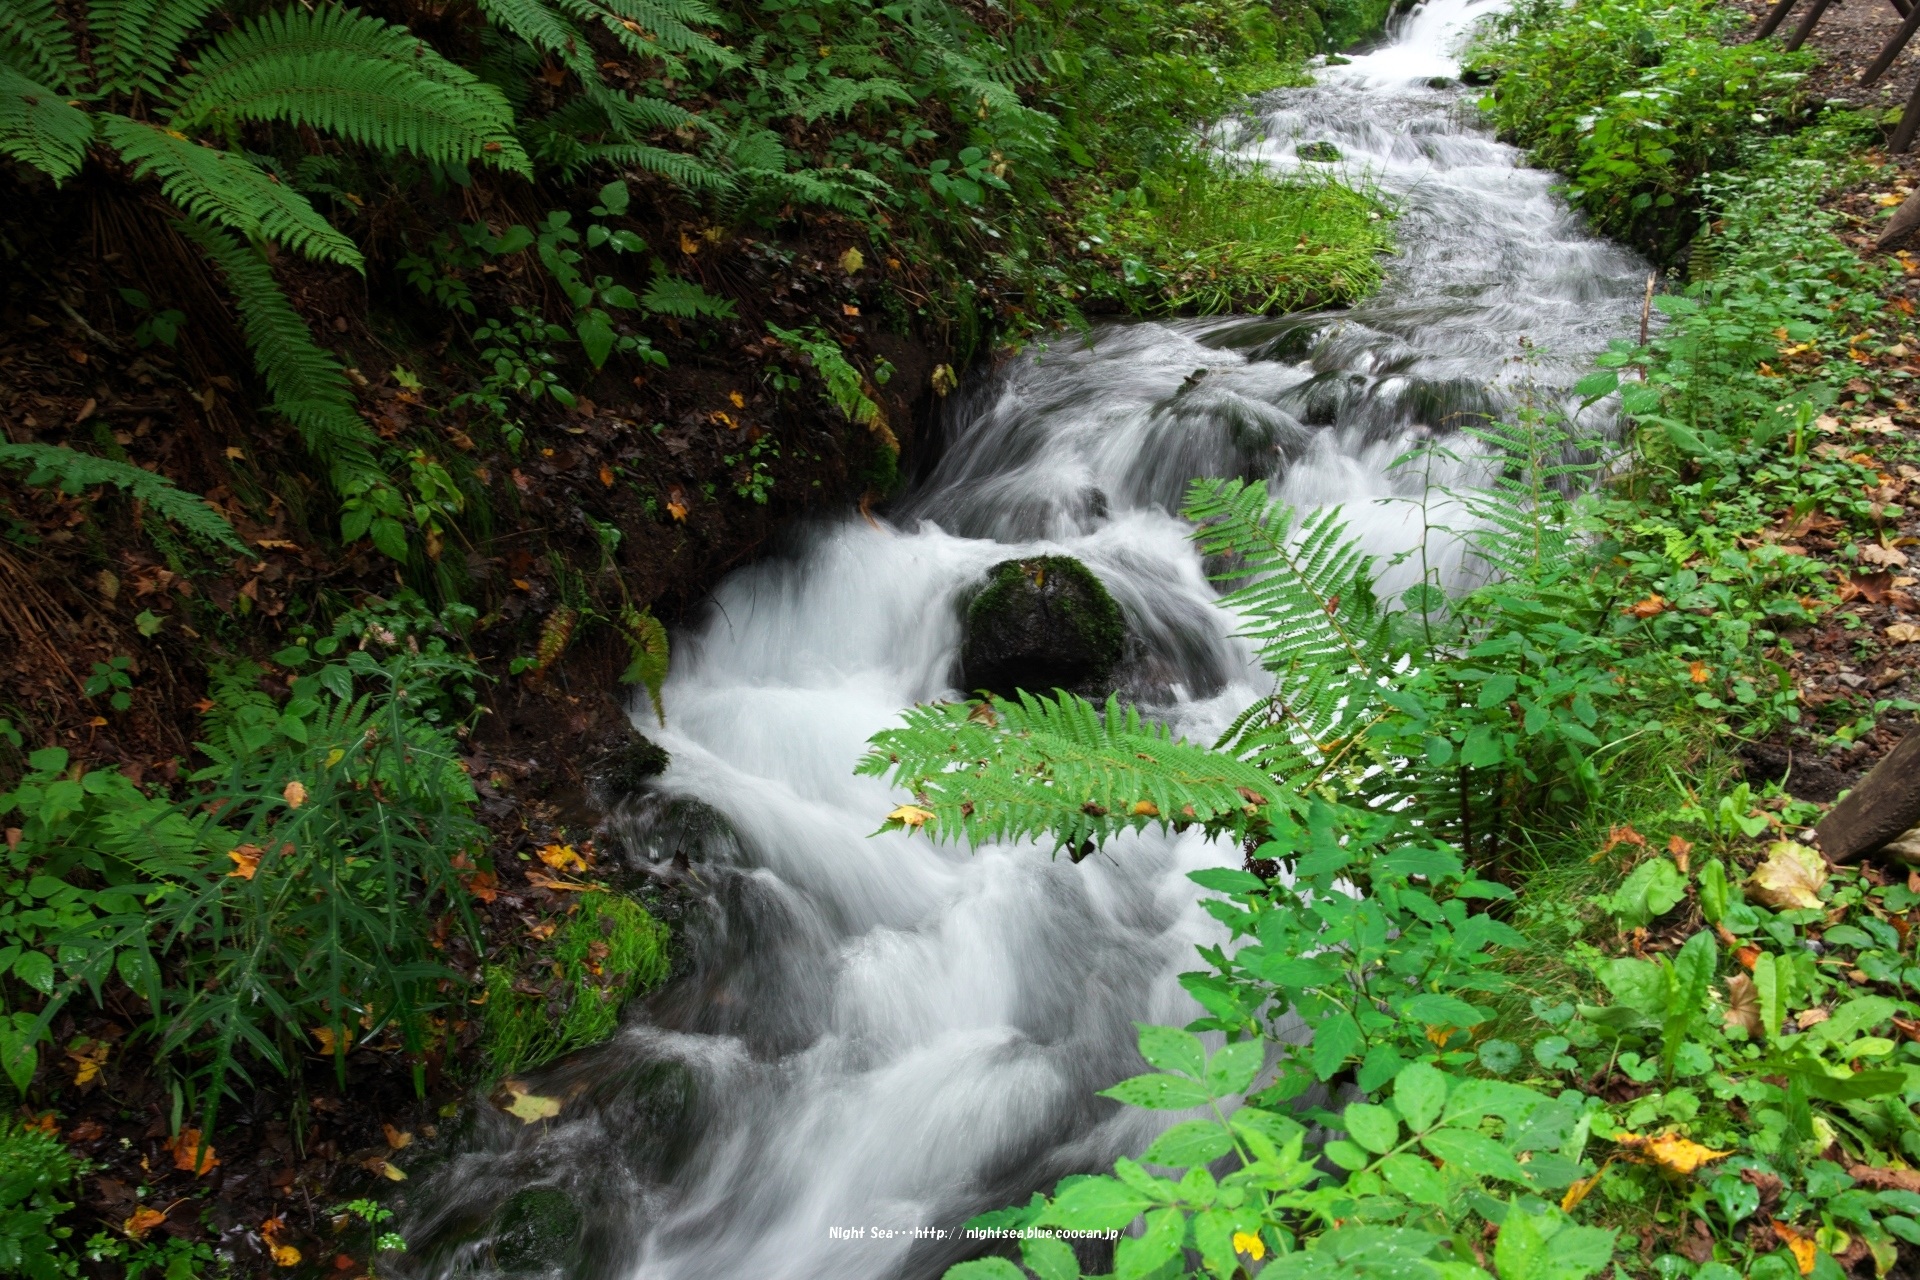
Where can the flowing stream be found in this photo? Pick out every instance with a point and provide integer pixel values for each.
(879, 1037)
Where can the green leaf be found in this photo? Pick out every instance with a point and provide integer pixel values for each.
(1474, 1153)
(1172, 1049)
(1770, 983)
(1192, 1142)
(989, 1269)
(1375, 1128)
(596, 335)
(1419, 1092)
(1233, 1068)
(1334, 1041)
(1159, 1093)
(1520, 1252)
(1653, 888)
(1146, 1253)
(1415, 1179)
(35, 968)
(1094, 1204)
(1048, 1258)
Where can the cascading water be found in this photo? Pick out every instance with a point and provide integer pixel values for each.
(880, 1037)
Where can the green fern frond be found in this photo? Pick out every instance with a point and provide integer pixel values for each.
(343, 72)
(689, 171)
(76, 472)
(672, 296)
(226, 188)
(838, 96)
(308, 385)
(662, 26)
(646, 639)
(1308, 600)
(37, 42)
(136, 41)
(38, 127)
(1060, 766)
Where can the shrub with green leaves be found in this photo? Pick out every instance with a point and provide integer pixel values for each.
(1634, 100)
(281, 904)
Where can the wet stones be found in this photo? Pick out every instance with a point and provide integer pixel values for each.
(1041, 624)
(535, 1230)
(627, 768)
(1320, 152)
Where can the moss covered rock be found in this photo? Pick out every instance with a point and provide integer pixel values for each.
(535, 1230)
(1041, 624)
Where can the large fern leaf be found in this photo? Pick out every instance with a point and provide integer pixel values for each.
(1060, 767)
(76, 472)
(226, 188)
(652, 27)
(343, 72)
(38, 127)
(36, 41)
(136, 41)
(1307, 597)
(308, 385)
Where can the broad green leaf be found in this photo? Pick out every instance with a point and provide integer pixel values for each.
(1159, 1093)
(1334, 1041)
(1474, 1153)
(1048, 1258)
(1419, 1092)
(1189, 1143)
(35, 968)
(1375, 1128)
(1233, 1068)
(1769, 988)
(988, 1269)
(1415, 1179)
(1095, 1204)
(1172, 1049)
(1520, 1252)
(1146, 1253)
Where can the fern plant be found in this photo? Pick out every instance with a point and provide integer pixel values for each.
(74, 472)
(329, 69)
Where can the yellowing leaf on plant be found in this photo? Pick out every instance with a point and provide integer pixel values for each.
(144, 1219)
(246, 861)
(1790, 878)
(1251, 1245)
(911, 815)
(295, 794)
(1670, 1151)
(335, 756)
(1145, 809)
(563, 857)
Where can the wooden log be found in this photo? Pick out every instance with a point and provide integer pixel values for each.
(1906, 218)
(1893, 47)
(1882, 808)
(1902, 139)
(1805, 29)
(1901, 7)
(1775, 16)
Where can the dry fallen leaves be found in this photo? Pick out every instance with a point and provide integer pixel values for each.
(329, 1043)
(1648, 608)
(1578, 1191)
(1699, 672)
(1799, 1243)
(88, 1056)
(911, 815)
(144, 1219)
(563, 857)
(1790, 878)
(396, 1138)
(385, 1168)
(295, 795)
(1874, 553)
(246, 861)
(284, 1254)
(191, 1155)
(1903, 633)
(1743, 1006)
(1670, 1151)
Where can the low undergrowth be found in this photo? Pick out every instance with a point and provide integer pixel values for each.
(1586, 1001)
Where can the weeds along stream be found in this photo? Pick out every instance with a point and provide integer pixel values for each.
(881, 1036)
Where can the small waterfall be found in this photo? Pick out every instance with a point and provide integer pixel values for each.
(880, 1037)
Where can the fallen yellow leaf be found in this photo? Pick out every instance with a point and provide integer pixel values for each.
(1790, 878)
(246, 861)
(1670, 1151)
(191, 1155)
(1648, 607)
(851, 261)
(529, 1107)
(911, 815)
(295, 795)
(563, 857)
(396, 1138)
(144, 1219)
(1799, 1243)
(1698, 672)
(1578, 1191)
(328, 1043)
(89, 1056)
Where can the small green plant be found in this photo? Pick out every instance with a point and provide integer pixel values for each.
(36, 1169)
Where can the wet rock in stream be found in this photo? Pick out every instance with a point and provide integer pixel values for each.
(1041, 624)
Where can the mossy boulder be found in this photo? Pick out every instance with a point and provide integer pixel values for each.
(535, 1230)
(1041, 624)
(627, 768)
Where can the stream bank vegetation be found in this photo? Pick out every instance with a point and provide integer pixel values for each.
(1534, 968)
(375, 382)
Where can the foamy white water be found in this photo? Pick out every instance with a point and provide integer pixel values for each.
(877, 1033)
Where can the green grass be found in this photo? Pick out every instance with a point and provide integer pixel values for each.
(1213, 238)
(609, 950)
